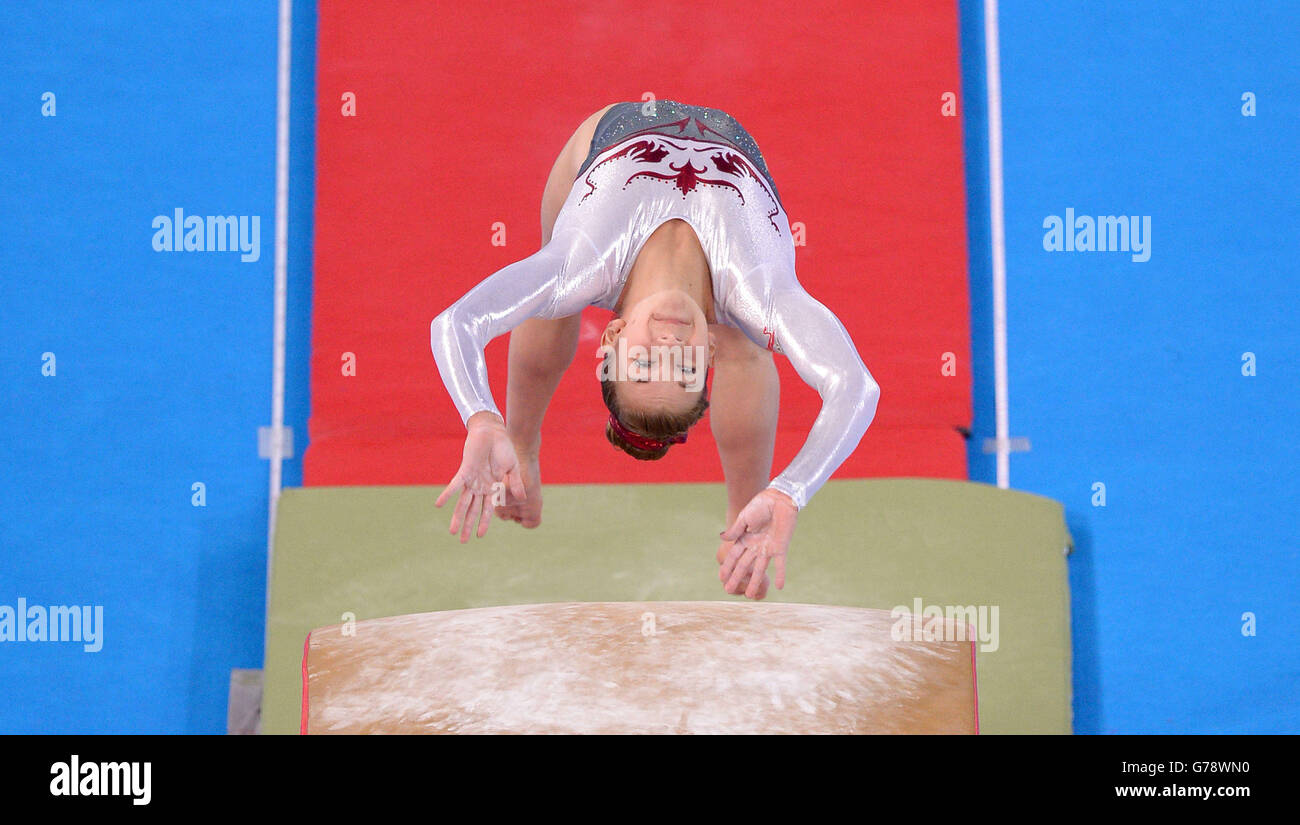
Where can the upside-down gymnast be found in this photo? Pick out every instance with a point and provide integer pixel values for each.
(666, 214)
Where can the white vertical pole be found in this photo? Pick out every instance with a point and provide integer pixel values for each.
(993, 79)
(281, 276)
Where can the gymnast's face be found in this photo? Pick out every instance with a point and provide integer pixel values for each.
(660, 350)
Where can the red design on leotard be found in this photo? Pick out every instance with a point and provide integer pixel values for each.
(682, 125)
(649, 148)
(730, 163)
(685, 123)
(687, 177)
(644, 151)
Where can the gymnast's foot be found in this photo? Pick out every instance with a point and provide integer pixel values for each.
(527, 512)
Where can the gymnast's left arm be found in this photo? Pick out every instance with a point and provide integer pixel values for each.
(821, 352)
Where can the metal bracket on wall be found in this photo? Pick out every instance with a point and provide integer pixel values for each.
(244, 707)
(1020, 444)
(264, 443)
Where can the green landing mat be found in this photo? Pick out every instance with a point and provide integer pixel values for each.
(383, 551)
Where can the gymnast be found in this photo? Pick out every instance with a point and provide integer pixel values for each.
(665, 214)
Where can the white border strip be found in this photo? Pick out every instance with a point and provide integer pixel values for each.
(281, 276)
(993, 81)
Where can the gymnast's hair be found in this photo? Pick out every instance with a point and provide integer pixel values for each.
(660, 425)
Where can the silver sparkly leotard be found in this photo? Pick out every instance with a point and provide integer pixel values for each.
(620, 198)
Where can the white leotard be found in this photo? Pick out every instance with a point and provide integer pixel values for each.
(624, 195)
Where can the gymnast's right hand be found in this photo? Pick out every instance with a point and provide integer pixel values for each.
(489, 459)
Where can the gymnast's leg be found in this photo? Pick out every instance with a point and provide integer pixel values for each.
(541, 350)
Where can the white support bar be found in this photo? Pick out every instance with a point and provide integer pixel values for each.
(281, 275)
(993, 80)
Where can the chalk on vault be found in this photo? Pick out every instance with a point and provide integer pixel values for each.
(638, 667)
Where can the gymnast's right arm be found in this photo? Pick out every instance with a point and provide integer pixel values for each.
(556, 281)
(530, 288)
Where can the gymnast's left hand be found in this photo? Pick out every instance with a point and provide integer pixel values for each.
(489, 459)
(761, 533)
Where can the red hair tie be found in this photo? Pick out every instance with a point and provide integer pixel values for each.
(642, 442)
